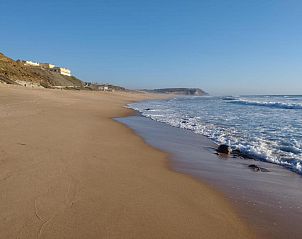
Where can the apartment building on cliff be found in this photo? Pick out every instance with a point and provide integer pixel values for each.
(29, 63)
(61, 70)
(48, 66)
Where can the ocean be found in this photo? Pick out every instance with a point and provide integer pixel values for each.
(266, 128)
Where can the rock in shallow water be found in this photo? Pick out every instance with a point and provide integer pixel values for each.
(236, 152)
(256, 168)
(224, 149)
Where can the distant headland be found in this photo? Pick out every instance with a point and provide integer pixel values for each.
(180, 91)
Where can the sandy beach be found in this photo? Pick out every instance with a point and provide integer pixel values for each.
(68, 170)
(269, 201)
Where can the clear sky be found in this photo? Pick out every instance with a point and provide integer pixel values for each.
(224, 47)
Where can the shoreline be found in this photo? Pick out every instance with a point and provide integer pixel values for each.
(69, 170)
(258, 198)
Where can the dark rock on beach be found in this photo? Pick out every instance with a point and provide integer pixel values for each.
(236, 152)
(256, 168)
(224, 149)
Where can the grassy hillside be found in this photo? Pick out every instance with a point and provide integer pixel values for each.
(12, 72)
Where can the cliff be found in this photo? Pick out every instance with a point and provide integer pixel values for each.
(12, 72)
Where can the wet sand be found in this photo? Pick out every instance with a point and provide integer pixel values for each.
(67, 170)
(269, 201)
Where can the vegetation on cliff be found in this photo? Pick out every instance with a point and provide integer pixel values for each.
(12, 72)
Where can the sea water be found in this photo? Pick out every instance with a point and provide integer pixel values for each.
(267, 128)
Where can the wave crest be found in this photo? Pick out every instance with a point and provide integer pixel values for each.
(271, 104)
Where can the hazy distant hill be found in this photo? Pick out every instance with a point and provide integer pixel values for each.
(180, 91)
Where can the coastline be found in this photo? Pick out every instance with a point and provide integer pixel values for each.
(68, 170)
(263, 200)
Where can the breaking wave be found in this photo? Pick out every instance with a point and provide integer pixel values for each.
(271, 104)
(263, 133)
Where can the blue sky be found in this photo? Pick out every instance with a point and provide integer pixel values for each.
(224, 47)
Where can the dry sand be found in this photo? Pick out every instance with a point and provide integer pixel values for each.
(67, 170)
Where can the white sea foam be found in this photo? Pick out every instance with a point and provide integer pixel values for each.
(272, 104)
(272, 133)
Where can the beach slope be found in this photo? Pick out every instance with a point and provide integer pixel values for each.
(67, 170)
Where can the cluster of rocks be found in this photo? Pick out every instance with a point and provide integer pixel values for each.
(227, 150)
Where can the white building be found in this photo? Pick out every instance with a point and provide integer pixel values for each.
(29, 63)
(61, 70)
(47, 65)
